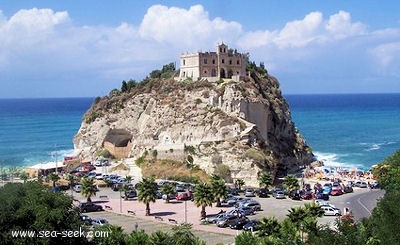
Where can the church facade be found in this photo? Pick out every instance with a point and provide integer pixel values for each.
(224, 63)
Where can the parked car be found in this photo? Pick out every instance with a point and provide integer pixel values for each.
(336, 192)
(226, 220)
(239, 223)
(129, 194)
(322, 196)
(280, 195)
(374, 185)
(246, 210)
(256, 206)
(307, 195)
(214, 218)
(99, 222)
(348, 189)
(183, 196)
(249, 192)
(361, 184)
(89, 207)
(252, 225)
(85, 219)
(330, 211)
(263, 192)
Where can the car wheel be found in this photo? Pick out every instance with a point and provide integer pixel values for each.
(337, 214)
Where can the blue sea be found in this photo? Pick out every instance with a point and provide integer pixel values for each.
(356, 130)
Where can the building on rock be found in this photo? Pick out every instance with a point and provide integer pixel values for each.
(224, 63)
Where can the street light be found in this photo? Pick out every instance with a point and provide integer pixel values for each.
(120, 200)
(185, 211)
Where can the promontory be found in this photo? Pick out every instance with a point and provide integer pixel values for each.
(218, 111)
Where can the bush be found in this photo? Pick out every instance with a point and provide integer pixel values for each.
(255, 155)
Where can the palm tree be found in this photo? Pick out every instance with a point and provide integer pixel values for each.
(265, 179)
(291, 182)
(71, 180)
(218, 188)
(203, 197)
(147, 192)
(128, 179)
(24, 176)
(167, 190)
(297, 216)
(88, 188)
(239, 183)
(54, 178)
(268, 226)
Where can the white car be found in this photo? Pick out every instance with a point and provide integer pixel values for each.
(330, 211)
(99, 222)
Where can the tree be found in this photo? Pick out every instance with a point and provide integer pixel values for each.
(33, 207)
(88, 188)
(137, 238)
(265, 179)
(239, 183)
(297, 216)
(128, 179)
(116, 235)
(168, 189)
(268, 226)
(160, 237)
(147, 192)
(218, 189)
(291, 182)
(247, 238)
(182, 235)
(124, 87)
(54, 178)
(203, 197)
(71, 180)
(24, 176)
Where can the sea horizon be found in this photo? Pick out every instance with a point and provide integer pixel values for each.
(318, 117)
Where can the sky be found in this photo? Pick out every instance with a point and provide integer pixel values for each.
(87, 48)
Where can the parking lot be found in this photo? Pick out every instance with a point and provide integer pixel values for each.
(130, 214)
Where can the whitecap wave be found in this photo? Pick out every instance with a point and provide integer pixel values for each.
(333, 160)
(376, 146)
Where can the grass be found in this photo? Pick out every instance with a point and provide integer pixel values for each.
(169, 169)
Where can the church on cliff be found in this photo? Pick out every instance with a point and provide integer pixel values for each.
(224, 63)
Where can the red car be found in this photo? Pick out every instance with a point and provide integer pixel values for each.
(306, 196)
(336, 192)
(182, 196)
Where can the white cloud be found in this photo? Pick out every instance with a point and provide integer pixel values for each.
(45, 44)
(299, 33)
(185, 27)
(340, 26)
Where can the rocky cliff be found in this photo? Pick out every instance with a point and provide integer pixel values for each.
(244, 125)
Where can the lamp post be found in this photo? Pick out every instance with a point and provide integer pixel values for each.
(56, 159)
(185, 211)
(120, 200)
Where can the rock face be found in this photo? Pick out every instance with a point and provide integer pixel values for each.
(244, 125)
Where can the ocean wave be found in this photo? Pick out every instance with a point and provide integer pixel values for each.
(376, 146)
(333, 160)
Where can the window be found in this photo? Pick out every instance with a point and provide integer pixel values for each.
(237, 62)
(213, 61)
(230, 62)
(223, 61)
(205, 61)
(184, 62)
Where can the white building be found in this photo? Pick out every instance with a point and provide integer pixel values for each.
(223, 63)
